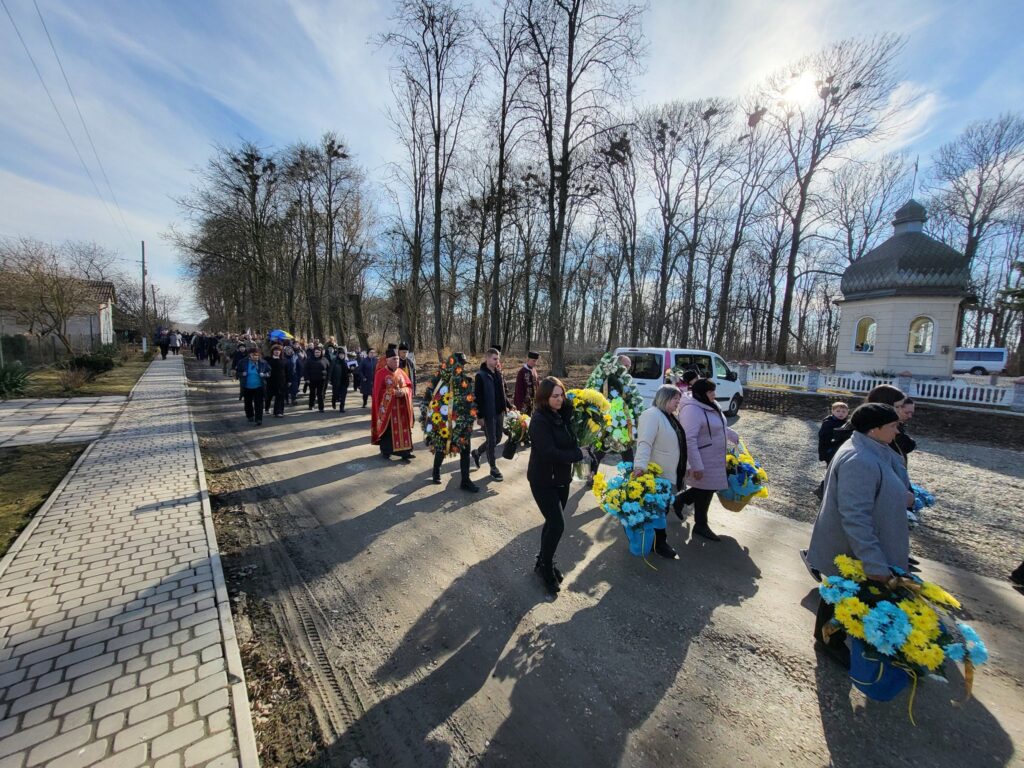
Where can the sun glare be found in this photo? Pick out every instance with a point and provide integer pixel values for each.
(801, 91)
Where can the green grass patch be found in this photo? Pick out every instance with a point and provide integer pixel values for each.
(46, 382)
(28, 475)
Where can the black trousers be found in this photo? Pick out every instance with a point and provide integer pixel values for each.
(253, 403)
(163, 351)
(278, 397)
(824, 615)
(463, 464)
(316, 394)
(492, 436)
(387, 444)
(338, 395)
(701, 500)
(551, 502)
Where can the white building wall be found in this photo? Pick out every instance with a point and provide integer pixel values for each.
(894, 316)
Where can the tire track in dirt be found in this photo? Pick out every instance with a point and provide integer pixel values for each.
(340, 685)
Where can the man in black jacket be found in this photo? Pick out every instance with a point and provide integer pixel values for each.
(317, 370)
(491, 405)
(340, 375)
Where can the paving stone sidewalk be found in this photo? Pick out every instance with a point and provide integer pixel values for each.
(116, 640)
(56, 420)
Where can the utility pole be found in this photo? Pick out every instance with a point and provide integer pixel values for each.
(156, 317)
(145, 333)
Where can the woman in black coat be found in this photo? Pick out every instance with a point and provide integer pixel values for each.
(554, 451)
(317, 369)
(277, 384)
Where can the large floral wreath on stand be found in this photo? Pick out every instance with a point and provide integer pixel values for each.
(621, 387)
(448, 411)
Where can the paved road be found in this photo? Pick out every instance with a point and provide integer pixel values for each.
(116, 642)
(426, 640)
(56, 420)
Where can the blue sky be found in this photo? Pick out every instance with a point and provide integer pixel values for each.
(161, 82)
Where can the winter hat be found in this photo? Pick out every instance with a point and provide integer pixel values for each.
(533, 355)
(871, 415)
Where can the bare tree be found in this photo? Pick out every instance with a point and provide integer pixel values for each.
(978, 178)
(504, 44)
(43, 287)
(862, 198)
(581, 55)
(821, 105)
(433, 42)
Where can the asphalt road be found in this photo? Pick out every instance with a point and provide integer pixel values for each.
(424, 639)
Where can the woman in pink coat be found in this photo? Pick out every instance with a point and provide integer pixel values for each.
(707, 435)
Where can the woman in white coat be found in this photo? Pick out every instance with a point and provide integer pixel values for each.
(660, 439)
(707, 436)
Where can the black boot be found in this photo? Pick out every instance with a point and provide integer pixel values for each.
(661, 545)
(554, 568)
(546, 571)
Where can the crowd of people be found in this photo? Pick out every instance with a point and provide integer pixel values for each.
(866, 495)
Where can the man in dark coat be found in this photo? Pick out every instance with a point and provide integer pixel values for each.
(527, 381)
(339, 379)
(491, 405)
(367, 372)
(406, 363)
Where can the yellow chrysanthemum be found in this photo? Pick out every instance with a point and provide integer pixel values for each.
(937, 594)
(600, 485)
(850, 612)
(923, 617)
(927, 655)
(850, 568)
(653, 468)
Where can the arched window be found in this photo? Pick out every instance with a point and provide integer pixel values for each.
(864, 338)
(922, 334)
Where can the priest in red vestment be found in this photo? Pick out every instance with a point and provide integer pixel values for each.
(391, 425)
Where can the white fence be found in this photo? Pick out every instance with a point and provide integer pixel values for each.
(952, 391)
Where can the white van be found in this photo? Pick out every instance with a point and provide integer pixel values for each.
(980, 361)
(650, 364)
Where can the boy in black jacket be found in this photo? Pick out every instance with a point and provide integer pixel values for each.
(828, 440)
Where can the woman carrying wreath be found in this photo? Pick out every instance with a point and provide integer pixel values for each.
(447, 417)
(555, 450)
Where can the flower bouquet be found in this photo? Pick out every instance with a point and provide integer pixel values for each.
(899, 631)
(590, 419)
(447, 413)
(747, 480)
(922, 499)
(639, 503)
(517, 426)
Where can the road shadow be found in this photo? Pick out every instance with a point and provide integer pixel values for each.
(946, 736)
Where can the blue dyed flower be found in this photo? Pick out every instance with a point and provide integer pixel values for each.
(976, 648)
(955, 651)
(834, 589)
(886, 627)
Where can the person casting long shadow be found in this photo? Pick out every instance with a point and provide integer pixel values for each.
(446, 658)
(622, 655)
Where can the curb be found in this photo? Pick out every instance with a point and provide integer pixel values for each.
(248, 754)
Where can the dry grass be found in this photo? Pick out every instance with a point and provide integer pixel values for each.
(28, 475)
(48, 382)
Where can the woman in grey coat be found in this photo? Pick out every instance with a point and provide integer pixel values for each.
(863, 511)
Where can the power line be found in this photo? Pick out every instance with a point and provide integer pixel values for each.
(59, 117)
(81, 118)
